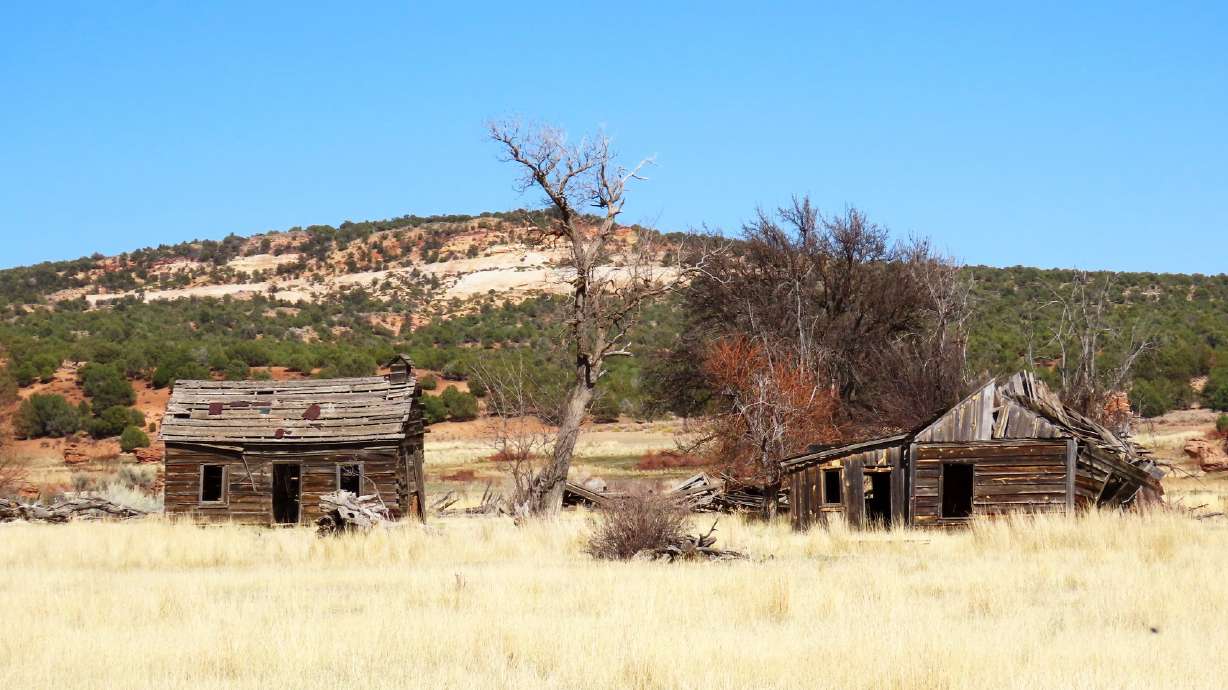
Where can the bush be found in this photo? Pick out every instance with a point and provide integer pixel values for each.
(348, 364)
(46, 415)
(114, 420)
(461, 407)
(477, 388)
(106, 386)
(133, 438)
(1221, 424)
(1215, 394)
(433, 409)
(183, 370)
(8, 387)
(300, 363)
(635, 523)
(1152, 398)
(40, 367)
(428, 383)
(237, 370)
(453, 371)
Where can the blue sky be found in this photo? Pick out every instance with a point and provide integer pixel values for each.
(1042, 134)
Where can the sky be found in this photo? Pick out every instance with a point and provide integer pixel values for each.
(1090, 135)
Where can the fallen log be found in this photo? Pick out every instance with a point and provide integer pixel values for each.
(343, 511)
(75, 508)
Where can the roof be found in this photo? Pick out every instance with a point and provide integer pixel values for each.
(1019, 407)
(317, 411)
(806, 460)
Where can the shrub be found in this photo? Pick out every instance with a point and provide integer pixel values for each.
(635, 523)
(453, 371)
(8, 387)
(114, 420)
(1216, 391)
(40, 367)
(183, 370)
(133, 438)
(428, 382)
(346, 364)
(461, 407)
(300, 363)
(1221, 424)
(106, 386)
(1152, 398)
(46, 415)
(236, 370)
(477, 388)
(433, 409)
(136, 476)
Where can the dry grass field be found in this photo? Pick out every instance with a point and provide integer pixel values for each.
(1100, 601)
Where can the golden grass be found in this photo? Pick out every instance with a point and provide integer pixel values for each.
(479, 603)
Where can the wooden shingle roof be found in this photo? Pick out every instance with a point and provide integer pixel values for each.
(324, 411)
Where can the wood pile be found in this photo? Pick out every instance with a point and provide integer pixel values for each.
(77, 508)
(699, 493)
(343, 511)
(692, 547)
(492, 504)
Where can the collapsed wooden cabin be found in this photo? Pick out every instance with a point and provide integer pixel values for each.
(264, 452)
(1009, 447)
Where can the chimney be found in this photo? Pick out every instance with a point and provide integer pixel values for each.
(400, 369)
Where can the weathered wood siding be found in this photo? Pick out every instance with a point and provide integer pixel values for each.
(1008, 476)
(387, 471)
(806, 504)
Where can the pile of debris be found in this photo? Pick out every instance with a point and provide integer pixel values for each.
(346, 512)
(492, 504)
(75, 508)
(692, 547)
(699, 493)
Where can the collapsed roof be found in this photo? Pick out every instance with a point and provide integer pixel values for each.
(315, 411)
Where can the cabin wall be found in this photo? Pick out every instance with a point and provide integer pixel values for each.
(249, 480)
(1008, 476)
(807, 504)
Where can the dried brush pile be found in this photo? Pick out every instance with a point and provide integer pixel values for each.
(651, 527)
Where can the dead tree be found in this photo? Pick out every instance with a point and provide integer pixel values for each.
(1079, 338)
(613, 270)
(519, 406)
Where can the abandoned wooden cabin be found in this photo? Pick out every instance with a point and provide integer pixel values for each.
(1009, 447)
(263, 452)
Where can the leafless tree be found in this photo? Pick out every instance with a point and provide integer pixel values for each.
(1081, 337)
(881, 322)
(613, 269)
(519, 408)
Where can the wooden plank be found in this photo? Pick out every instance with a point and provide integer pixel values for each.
(854, 492)
(1072, 452)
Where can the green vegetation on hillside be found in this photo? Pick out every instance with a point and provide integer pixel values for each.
(1185, 315)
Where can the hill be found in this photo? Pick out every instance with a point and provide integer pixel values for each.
(457, 289)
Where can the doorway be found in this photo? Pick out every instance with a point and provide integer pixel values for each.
(878, 499)
(286, 498)
(957, 489)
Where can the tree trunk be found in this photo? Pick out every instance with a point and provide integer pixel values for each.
(546, 494)
(771, 501)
